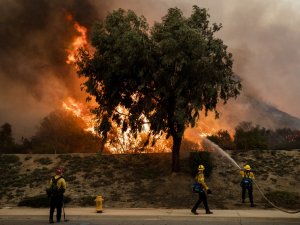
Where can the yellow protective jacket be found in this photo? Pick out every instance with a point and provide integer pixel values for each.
(247, 174)
(61, 183)
(200, 179)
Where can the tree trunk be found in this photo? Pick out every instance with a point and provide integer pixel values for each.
(175, 153)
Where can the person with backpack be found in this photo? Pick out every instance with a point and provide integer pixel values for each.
(202, 189)
(56, 192)
(247, 183)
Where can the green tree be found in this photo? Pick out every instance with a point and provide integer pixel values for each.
(223, 139)
(284, 138)
(6, 139)
(248, 136)
(166, 74)
(201, 157)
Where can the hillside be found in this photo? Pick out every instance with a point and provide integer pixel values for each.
(145, 180)
(270, 116)
(251, 109)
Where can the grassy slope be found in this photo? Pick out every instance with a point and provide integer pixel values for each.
(145, 180)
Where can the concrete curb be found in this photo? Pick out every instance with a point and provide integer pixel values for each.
(112, 213)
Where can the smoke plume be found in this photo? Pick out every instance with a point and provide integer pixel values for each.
(34, 78)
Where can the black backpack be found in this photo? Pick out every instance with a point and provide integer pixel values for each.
(246, 182)
(197, 188)
(54, 190)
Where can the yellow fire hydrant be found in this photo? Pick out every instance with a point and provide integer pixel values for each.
(99, 201)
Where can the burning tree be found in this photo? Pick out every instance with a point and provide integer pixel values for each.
(163, 76)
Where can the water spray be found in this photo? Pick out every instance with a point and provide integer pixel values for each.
(220, 150)
(225, 154)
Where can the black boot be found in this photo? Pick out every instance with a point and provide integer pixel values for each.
(51, 221)
(194, 212)
(209, 212)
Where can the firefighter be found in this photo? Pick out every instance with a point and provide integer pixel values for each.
(56, 192)
(247, 184)
(202, 190)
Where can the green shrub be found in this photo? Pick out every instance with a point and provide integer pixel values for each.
(39, 201)
(284, 199)
(149, 172)
(9, 159)
(223, 139)
(64, 157)
(87, 201)
(27, 158)
(201, 157)
(96, 184)
(70, 178)
(43, 161)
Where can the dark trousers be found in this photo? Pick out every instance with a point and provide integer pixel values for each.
(56, 202)
(202, 198)
(250, 193)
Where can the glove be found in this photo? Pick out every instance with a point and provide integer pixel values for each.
(48, 192)
(209, 191)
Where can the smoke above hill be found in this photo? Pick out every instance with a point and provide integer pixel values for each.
(34, 78)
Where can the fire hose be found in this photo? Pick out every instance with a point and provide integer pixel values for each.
(272, 204)
(225, 154)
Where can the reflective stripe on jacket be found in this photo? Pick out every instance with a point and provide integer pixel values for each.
(61, 183)
(247, 174)
(200, 179)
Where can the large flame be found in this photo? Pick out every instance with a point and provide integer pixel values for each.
(124, 142)
(120, 142)
(79, 41)
(82, 112)
(70, 104)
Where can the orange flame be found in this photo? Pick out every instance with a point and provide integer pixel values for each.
(82, 112)
(119, 142)
(79, 41)
(125, 141)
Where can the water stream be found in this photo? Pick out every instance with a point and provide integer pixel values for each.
(218, 149)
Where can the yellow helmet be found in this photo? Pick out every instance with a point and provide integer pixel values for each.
(247, 167)
(201, 167)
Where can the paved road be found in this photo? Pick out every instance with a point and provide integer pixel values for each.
(88, 216)
(152, 221)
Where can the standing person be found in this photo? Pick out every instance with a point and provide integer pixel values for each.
(203, 190)
(56, 193)
(247, 184)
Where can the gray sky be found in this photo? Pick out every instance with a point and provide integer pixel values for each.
(262, 35)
